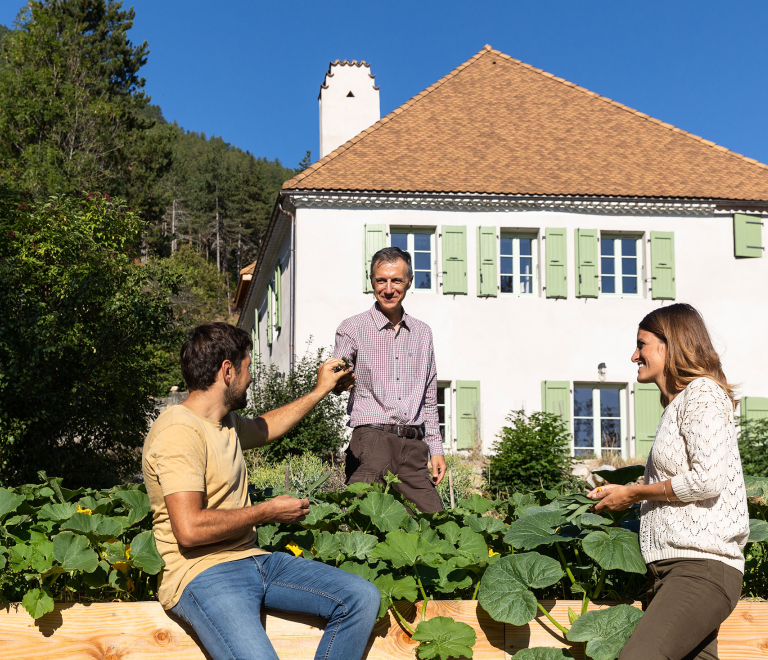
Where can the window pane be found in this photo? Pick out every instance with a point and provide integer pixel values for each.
(629, 266)
(607, 266)
(506, 265)
(629, 284)
(628, 247)
(526, 265)
(608, 284)
(606, 246)
(526, 246)
(610, 434)
(423, 280)
(582, 402)
(583, 434)
(506, 284)
(609, 403)
(526, 285)
(421, 242)
(400, 241)
(441, 397)
(422, 261)
(506, 246)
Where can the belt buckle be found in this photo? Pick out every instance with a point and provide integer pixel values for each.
(403, 432)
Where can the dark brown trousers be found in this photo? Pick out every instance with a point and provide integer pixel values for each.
(686, 601)
(373, 452)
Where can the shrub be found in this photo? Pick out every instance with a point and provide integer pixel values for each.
(530, 454)
(322, 432)
(303, 472)
(464, 480)
(753, 447)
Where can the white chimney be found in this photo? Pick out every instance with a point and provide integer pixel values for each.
(349, 103)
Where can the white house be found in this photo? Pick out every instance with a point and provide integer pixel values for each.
(544, 222)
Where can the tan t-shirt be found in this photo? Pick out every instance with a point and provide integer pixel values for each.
(186, 452)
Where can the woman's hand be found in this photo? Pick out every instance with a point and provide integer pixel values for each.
(613, 497)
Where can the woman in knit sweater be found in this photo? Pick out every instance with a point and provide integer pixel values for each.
(693, 513)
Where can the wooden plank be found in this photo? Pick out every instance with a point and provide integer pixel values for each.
(743, 635)
(144, 631)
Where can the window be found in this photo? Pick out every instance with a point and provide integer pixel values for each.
(420, 244)
(517, 264)
(444, 412)
(598, 420)
(620, 265)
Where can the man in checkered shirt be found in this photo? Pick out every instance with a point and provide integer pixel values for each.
(393, 407)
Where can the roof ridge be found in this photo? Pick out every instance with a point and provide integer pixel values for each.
(386, 118)
(631, 111)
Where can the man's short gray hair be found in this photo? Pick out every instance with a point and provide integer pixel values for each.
(390, 255)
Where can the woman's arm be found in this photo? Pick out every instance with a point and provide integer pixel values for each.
(613, 497)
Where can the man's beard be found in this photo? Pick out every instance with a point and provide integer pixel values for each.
(235, 400)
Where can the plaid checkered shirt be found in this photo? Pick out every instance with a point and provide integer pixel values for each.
(396, 373)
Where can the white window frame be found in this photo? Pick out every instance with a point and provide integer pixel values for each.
(597, 445)
(447, 387)
(618, 263)
(411, 231)
(516, 236)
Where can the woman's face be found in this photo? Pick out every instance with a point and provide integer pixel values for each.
(650, 357)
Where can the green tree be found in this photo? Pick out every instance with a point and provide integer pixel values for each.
(71, 105)
(753, 446)
(532, 453)
(82, 322)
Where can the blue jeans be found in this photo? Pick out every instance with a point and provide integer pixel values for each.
(223, 605)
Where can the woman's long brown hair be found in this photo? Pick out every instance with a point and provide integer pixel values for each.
(690, 354)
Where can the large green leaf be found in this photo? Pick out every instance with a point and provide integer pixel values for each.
(37, 602)
(485, 524)
(622, 476)
(593, 520)
(144, 553)
(96, 527)
(365, 571)
(477, 504)
(357, 544)
(389, 588)
(542, 653)
(8, 502)
(520, 503)
(471, 544)
(327, 545)
(404, 549)
(757, 487)
(137, 502)
(605, 631)
(505, 588)
(320, 514)
(758, 531)
(615, 548)
(384, 511)
(443, 638)
(57, 512)
(450, 531)
(531, 531)
(73, 552)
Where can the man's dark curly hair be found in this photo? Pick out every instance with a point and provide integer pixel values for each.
(206, 347)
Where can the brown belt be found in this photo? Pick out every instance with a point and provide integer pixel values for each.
(400, 430)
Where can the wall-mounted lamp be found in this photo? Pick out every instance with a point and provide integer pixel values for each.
(601, 369)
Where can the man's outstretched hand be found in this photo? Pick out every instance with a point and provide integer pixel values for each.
(287, 509)
(329, 380)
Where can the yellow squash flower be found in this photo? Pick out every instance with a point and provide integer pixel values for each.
(491, 552)
(82, 510)
(121, 566)
(295, 549)
(127, 551)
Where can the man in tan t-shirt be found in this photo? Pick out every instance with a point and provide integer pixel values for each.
(216, 577)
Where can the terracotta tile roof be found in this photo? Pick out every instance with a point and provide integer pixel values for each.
(497, 125)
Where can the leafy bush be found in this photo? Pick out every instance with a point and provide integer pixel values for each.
(304, 471)
(532, 453)
(76, 545)
(464, 480)
(80, 319)
(753, 446)
(322, 432)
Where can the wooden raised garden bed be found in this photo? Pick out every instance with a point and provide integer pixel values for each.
(143, 631)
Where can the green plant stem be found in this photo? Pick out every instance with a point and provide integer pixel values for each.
(563, 629)
(401, 617)
(600, 584)
(477, 588)
(423, 594)
(565, 565)
(584, 603)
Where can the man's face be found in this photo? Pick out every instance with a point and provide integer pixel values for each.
(391, 283)
(236, 394)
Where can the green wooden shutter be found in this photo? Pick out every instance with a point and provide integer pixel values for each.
(374, 238)
(747, 235)
(255, 348)
(467, 413)
(557, 261)
(662, 265)
(586, 263)
(454, 246)
(270, 311)
(486, 261)
(648, 411)
(556, 399)
(754, 407)
(278, 297)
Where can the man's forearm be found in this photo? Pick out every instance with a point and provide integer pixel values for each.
(282, 420)
(208, 526)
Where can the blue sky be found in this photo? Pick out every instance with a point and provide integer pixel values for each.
(250, 71)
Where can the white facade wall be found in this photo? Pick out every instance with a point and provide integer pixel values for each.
(511, 344)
